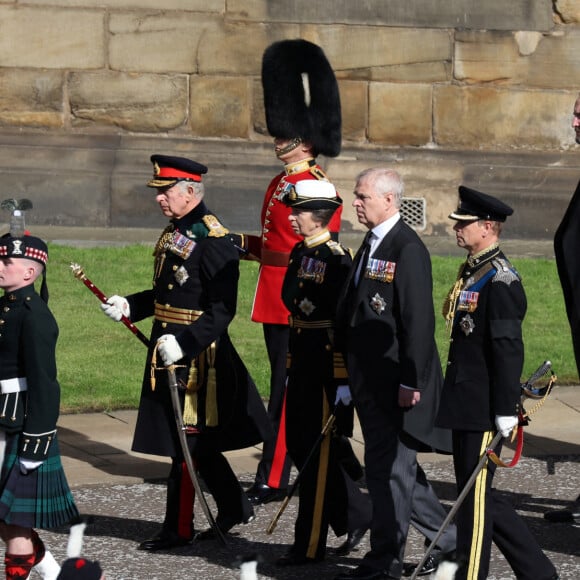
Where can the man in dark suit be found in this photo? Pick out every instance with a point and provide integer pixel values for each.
(386, 325)
(566, 243)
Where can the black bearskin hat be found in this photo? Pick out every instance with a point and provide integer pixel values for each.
(301, 95)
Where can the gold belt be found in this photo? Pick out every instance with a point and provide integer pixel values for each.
(297, 323)
(166, 313)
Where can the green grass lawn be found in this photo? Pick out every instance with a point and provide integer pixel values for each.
(101, 363)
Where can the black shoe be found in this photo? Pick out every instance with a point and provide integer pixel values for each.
(429, 566)
(353, 539)
(292, 559)
(225, 525)
(164, 541)
(363, 573)
(566, 516)
(260, 493)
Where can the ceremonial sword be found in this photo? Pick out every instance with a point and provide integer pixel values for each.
(176, 403)
(173, 389)
(78, 272)
(527, 391)
(327, 426)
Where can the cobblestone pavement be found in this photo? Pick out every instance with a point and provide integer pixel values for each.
(124, 514)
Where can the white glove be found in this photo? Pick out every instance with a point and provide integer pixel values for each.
(27, 465)
(506, 423)
(116, 307)
(343, 395)
(169, 349)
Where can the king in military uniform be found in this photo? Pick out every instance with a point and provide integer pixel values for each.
(481, 392)
(193, 300)
(34, 492)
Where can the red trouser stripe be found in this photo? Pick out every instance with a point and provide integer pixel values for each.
(280, 451)
(186, 499)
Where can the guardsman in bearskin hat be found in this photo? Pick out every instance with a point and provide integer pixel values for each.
(34, 492)
(481, 392)
(317, 380)
(302, 106)
(193, 301)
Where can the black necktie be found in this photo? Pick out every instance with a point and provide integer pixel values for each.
(364, 257)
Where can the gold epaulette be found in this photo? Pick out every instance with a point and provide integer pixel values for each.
(164, 240)
(216, 230)
(336, 248)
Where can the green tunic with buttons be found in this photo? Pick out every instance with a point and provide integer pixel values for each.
(29, 410)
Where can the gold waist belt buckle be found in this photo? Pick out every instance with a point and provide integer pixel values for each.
(297, 323)
(172, 315)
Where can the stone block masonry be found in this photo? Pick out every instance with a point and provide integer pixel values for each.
(455, 78)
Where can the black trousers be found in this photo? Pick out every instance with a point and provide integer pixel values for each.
(328, 496)
(274, 466)
(221, 481)
(486, 515)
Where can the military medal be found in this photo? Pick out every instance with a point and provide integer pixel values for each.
(378, 303)
(284, 188)
(380, 270)
(467, 325)
(181, 276)
(181, 245)
(311, 269)
(306, 306)
(467, 301)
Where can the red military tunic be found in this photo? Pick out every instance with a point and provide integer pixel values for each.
(278, 239)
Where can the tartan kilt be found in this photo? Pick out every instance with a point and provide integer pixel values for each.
(41, 498)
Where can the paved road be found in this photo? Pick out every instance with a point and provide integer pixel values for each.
(124, 492)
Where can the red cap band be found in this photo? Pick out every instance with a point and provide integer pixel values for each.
(171, 173)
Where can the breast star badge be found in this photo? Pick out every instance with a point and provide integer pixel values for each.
(306, 306)
(467, 325)
(378, 303)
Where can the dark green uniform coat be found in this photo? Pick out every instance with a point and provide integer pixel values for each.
(41, 498)
(201, 276)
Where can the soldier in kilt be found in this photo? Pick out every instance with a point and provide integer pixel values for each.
(34, 492)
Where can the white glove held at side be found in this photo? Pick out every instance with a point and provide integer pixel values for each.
(343, 395)
(116, 307)
(506, 423)
(27, 465)
(169, 349)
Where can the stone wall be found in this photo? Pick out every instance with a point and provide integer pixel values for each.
(468, 91)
